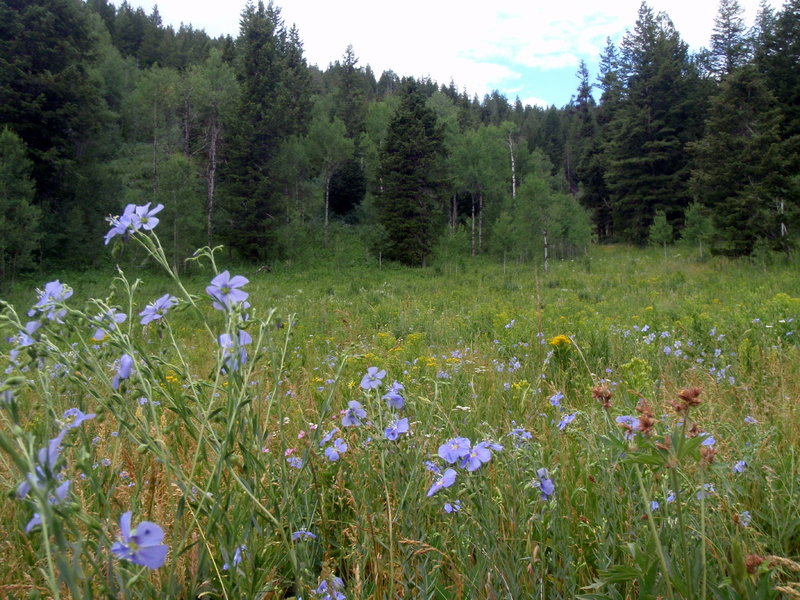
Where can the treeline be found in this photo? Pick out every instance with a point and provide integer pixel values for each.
(247, 145)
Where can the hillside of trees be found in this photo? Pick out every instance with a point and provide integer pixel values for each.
(248, 146)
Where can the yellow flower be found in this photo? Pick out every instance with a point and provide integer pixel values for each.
(560, 340)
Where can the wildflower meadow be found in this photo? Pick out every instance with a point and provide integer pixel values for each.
(620, 426)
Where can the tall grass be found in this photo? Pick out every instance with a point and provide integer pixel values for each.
(229, 456)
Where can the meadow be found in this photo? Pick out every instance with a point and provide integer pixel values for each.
(620, 426)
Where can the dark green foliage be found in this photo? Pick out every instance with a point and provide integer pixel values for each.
(660, 112)
(348, 187)
(729, 47)
(274, 105)
(739, 169)
(19, 218)
(410, 202)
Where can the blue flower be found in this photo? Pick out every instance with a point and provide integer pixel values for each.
(372, 378)
(224, 290)
(705, 490)
(58, 496)
(432, 467)
(142, 545)
(353, 415)
(566, 420)
(237, 557)
(708, 440)
(54, 293)
(455, 449)
(478, 455)
(739, 466)
(143, 217)
(544, 483)
(233, 350)
(124, 368)
(332, 590)
(295, 462)
(157, 309)
(445, 481)
(73, 417)
(303, 535)
(556, 398)
(744, 518)
(653, 505)
(393, 397)
(451, 508)
(332, 452)
(396, 428)
(108, 321)
(750, 420)
(121, 225)
(328, 436)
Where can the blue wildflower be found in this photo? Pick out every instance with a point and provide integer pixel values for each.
(393, 397)
(739, 466)
(141, 545)
(303, 535)
(452, 507)
(744, 518)
(555, 399)
(750, 420)
(224, 291)
(108, 321)
(332, 452)
(397, 427)
(237, 557)
(455, 449)
(54, 293)
(353, 415)
(544, 483)
(566, 420)
(445, 481)
(157, 309)
(373, 378)
(124, 368)
(478, 455)
(295, 462)
(73, 417)
(233, 350)
(332, 590)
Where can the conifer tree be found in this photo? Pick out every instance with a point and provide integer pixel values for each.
(729, 45)
(410, 203)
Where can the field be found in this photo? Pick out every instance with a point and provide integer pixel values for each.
(622, 426)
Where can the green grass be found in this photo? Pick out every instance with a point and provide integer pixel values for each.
(475, 345)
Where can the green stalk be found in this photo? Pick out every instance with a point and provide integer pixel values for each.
(654, 532)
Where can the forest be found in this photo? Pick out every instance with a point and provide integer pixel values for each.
(248, 146)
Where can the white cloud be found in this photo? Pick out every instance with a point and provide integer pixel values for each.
(481, 46)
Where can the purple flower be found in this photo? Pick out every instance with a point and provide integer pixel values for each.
(233, 350)
(295, 462)
(566, 420)
(353, 415)
(224, 290)
(395, 429)
(432, 467)
(445, 481)
(144, 217)
(157, 309)
(142, 545)
(750, 420)
(332, 590)
(520, 434)
(372, 378)
(303, 535)
(73, 417)
(451, 508)
(59, 496)
(478, 455)
(328, 436)
(744, 518)
(653, 505)
(124, 368)
(455, 449)
(705, 490)
(739, 466)
(237, 557)
(108, 321)
(392, 396)
(339, 447)
(630, 423)
(122, 225)
(544, 483)
(54, 293)
(556, 398)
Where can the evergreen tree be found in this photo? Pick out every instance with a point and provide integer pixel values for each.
(729, 45)
(660, 233)
(19, 218)
(739, 165)
(660, 112)
(410, 203)
(273, 106)
(698, 227)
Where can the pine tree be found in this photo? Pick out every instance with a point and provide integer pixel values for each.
(660, 232)
(739, 168)
(410, 204)
(19, 218)
(729, 45)
(660, 111)
(273, 106)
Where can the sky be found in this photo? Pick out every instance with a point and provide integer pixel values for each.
(526, 49)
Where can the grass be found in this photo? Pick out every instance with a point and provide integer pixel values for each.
(480, 349)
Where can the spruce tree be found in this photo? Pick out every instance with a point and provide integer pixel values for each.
(729, 45)
(410, 203)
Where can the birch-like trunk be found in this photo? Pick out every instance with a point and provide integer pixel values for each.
(215, 131)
